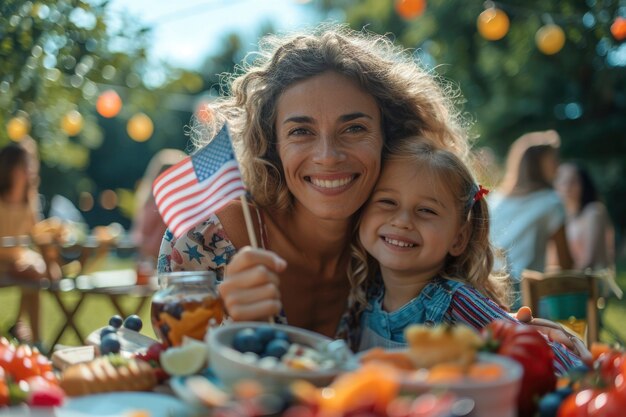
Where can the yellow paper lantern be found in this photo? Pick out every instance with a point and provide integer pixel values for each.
(493, 24)
(550, 39)
(109, 104)
(140, 127)
(410, 9)
(72, 123)
(17, 128)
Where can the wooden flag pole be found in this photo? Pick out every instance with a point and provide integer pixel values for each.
(249, 224)
(250, 228)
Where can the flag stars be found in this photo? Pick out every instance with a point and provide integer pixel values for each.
(193, 253)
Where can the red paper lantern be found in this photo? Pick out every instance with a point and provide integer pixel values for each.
(618, 28)
(410, 9)
(493, 24)
(109, 104)
(550, 39)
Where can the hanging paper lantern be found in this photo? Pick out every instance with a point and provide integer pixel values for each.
(140, 127)
(410, 9)
(203, 112)
(618, 28)
(17, 128)
(493, 24)
(550, 39)
(72, 123)
(109, 104)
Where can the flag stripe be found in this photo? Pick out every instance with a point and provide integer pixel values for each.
(189, 203)
(197, 191)
(183, 227)
(166, 178)
(177, 184)
(189, 212)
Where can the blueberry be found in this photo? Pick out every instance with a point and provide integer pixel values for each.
(116, 321)
(549, 404)
(175, 310)
(133, 322)
(106, 330)
(265, 334)
(246, 340)
(110, 343)
(281, 335)
(276, 348)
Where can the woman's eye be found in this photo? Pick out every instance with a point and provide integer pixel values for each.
(355, 129)
(299, 131)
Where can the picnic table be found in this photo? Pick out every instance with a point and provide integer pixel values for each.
(85, 281)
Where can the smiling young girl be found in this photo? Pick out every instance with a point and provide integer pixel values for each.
(423, 255)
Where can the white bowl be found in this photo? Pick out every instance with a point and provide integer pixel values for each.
(230, 365)
(497, 398)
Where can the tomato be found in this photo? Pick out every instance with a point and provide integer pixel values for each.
(606, 404)
(4, 392)
(528, 347)
(576, 404)
(610, 366)
(7, 350)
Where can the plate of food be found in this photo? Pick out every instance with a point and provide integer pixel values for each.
(446, 358)
(125, 404)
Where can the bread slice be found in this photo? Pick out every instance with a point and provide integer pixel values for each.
(107, 374)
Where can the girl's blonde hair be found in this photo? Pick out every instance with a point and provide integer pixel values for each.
(474, 265)
(412, 101)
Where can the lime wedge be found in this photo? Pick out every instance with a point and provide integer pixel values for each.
(184, 360)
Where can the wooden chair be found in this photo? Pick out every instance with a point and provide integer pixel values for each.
(536, 285)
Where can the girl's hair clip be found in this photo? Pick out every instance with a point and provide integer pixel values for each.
(480, 193)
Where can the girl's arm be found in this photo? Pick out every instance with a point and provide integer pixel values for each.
(470, 307)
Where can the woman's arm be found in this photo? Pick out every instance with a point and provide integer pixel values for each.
(250, 287)
(560, 240)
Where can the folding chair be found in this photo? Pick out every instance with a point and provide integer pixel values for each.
(537, 285)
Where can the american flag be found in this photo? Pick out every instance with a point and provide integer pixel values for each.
(198, 185)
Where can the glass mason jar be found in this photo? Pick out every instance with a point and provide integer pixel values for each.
(186, 304)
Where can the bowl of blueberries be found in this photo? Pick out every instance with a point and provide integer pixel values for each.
(275, 355)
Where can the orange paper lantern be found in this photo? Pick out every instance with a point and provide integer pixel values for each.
(109, 104)
(140, 127)
(550, 39)
(493, 24)
(17, 128)
(72, 123)
(618, 28)
(410, 9)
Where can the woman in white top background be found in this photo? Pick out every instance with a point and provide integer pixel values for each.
(526, 212)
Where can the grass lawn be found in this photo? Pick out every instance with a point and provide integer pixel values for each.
(97, 309)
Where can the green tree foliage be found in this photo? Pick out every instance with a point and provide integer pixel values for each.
(510, 87)
(58, 56)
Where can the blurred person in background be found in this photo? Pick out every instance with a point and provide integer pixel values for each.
(526, 211)
(590, 232)
(17, 218)
(147, 228)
